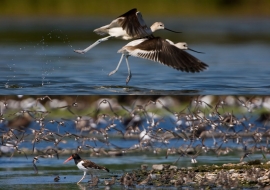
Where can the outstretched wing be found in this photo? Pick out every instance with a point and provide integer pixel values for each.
(132, 22)
(160, 50)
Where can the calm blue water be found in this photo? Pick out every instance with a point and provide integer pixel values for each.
(42, 66)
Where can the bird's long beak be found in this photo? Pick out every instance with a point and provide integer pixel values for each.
(70, 158)
(194, 50)
(171, 30)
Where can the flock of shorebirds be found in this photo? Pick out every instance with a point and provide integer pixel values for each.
(131, 26)
(197, 121)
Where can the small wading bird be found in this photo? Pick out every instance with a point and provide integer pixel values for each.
(162, 51)
(126, 27)
(110, 182)
(85, 165)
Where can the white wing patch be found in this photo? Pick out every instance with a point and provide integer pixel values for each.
(118, 32)
(150, 55)
(128, 48)
(135, 42)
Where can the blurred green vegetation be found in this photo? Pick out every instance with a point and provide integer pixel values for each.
(31, 20)
(74, 8)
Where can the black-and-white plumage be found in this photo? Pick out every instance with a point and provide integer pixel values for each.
(163, 51)
(85, 165)
(127, 26)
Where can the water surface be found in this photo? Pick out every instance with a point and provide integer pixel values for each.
(40, 60)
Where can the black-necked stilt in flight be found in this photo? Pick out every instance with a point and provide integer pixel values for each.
(162, 51)
(126, 27)
(184, 46)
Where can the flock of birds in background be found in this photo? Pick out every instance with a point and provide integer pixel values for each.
(205, 117)
(131, 26)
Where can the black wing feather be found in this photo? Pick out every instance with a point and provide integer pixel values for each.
(131, 24)
(170, 55)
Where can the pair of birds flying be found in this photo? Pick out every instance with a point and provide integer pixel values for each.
(132, 26)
